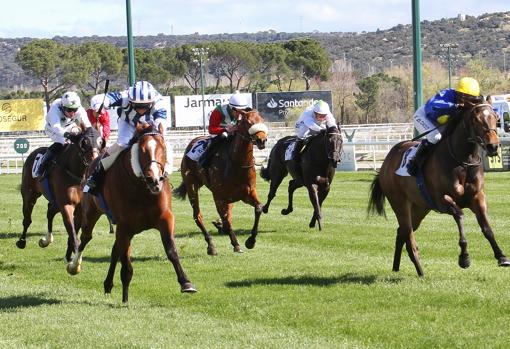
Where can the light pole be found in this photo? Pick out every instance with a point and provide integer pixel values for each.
(448, 48)
(200, 52)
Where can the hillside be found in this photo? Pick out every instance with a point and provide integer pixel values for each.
(486, 36)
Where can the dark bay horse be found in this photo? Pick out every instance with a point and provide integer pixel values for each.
(454, 179)
(64, 191)
(137, 194)
(315, 172)
(230, 177)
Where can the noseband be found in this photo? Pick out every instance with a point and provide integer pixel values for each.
(145, 178)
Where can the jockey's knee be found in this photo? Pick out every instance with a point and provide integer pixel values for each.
(434, 137)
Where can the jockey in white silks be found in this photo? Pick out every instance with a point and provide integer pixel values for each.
(312, 121)
(66, 116)
(140, 103)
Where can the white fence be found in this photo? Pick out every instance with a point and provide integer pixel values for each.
(370, 143)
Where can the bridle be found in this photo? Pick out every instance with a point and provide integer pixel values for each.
(471, 137)
(145, 167)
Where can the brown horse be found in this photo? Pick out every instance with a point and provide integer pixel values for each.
(137, 195)
(61, 188)
(315, 172)
(230, 177)
(454, 180)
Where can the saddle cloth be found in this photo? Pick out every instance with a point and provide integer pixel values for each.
(408, 156)
(198, 149)
(36, 164)
(290, 150)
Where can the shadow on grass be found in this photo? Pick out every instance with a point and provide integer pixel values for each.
(307, 280)
(25, 302)
(5, 236)
(106, 259)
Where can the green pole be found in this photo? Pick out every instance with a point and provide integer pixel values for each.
(417, 84)
(202, 88)
(131, 54)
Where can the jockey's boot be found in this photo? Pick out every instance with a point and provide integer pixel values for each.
(417, 160)
(95, 178)
(206, 158)
(50, 154)
(296, 155)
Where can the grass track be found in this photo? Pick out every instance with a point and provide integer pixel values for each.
(297, 288)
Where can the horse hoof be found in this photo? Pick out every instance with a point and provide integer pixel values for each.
(73, 270)
(464, 262)
(211, 251)
(286, 211)
(237, 249)
(250, 243)
(504, 262)
(188, 288)
(43, 243)
(21, 244)
(265, 209)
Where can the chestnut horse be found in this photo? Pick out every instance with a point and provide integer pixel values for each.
(137, 194)
(315, 172)
(453, 177)
(63, 190)
(230, 177)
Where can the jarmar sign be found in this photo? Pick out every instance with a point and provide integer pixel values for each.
(288, 106)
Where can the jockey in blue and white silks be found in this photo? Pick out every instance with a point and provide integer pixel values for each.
(435, 113)
(66, 116)
(140, 103)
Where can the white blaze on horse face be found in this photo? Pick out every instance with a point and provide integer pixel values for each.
(152, 145)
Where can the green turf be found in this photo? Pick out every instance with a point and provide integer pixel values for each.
(299, 288)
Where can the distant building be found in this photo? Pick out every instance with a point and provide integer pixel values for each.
(461, 17)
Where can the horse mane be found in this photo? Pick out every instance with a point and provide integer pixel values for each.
(150, 128)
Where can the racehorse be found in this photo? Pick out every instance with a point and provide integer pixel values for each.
(315, 172)
(230, 177)
(453, 180)
(61, 188)
(137, 195)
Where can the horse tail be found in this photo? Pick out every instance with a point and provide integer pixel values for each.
(376, 201)
(180, 191)
(264, 172)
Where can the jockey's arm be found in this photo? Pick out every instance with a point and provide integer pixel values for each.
(215, 127)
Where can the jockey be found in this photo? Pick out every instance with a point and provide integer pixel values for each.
(65, 118)
(223, 123)
(432, 116)
(139, 103)
(100, 122)
(312, 121)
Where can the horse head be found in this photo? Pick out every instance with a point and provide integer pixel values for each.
(251, 125)
(480, 121)
(334, 141)
(152, 156)
(89, 144)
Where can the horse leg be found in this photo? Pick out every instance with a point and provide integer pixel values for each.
(72, 239)
(276, 180)
(108, 282)
(405, 235)
(166, 229)
(254, 201)
(458, 215)
(293, 185)
(29, 199)
(123, 244)
(479, 208)
(314, 199)
(225, 211)
(197, 216)
(50, 215)
(90, 217)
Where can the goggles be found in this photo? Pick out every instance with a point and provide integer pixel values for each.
(143, 106)
(70, 110)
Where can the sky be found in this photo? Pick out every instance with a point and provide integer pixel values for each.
(50, 18)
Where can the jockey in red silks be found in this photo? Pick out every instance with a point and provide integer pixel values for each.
(65, 117)
(223, 123)
(100, 122)
(139, 103)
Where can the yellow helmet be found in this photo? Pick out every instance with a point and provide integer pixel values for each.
(468, 86)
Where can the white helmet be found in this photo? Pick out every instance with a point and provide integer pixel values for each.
(321, 107)
(96, 101)
(142, 92)
(71, 100)
(238, 101)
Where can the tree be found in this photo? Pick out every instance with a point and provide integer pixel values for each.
(44, 59)
(309, 59)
